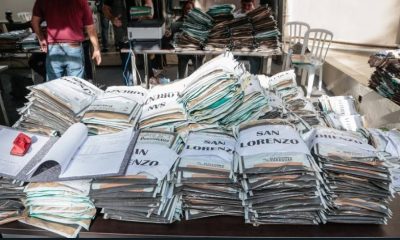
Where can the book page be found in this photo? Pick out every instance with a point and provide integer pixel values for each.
(100, 155)
(64, 149)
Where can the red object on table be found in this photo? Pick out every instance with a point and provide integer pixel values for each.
(22, 143)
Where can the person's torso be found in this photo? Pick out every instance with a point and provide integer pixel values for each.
(64, 20)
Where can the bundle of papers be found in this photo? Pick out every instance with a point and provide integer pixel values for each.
(387, 143)
(30, 43)
(162, 107)
(386, 78)
(214, 90)
(282, 183)
(357, 180)
(117, 109)
(195, 29)
(205, 178)
(340, 112)
(55, 105)
(11, 197)
(8, 40)
(60, 207)
(254, 101)
(144, 194)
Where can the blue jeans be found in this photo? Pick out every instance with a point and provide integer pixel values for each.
(64, 60)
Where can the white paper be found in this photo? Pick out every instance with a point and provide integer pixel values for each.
(270, 139)
(10, 164)
(99, 155)
(66, 147)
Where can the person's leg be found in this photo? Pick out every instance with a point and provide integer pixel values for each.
(126, 65)
(75, 61)
(182, 65)
(198, 61)
(255, 65)
(104, 32)
(55, 64)
(87, 60)
(37, 62)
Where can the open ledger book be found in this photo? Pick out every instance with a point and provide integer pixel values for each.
(75, 155)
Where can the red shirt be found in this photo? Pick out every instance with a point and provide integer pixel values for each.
(65, 19)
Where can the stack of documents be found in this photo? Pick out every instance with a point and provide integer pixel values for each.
(195, 29)
(214, 90)
(144, 194)
(388, 144)
(55, 105)
(8, 40)
(221, 12)
(340, 112)
(11, 197)
(252, 105)
(117, 109)
(162, 107)
(386, 78)
(280, 177)
(205, 176)
(30, 43)
(60, 207)
(357, 179)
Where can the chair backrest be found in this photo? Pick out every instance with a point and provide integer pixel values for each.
(318, 42)
(25, 16)
(296, 32)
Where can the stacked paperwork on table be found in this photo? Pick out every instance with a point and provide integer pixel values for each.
(386, 78)
(204, 176)
(357, 179)
(340, 112)
(11, 200)
(55, 105)
(60, 207)
(144, 194)
(281, 180)
(117, 109)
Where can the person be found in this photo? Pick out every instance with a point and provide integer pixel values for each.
(66, 23)
(117, 11)
(183, 60)
(255, 62)
(104, 23)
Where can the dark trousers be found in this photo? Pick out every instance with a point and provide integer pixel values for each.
(183, 60)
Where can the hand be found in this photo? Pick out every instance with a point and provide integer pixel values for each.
(117, 21)
(43, 45)
(97, 57)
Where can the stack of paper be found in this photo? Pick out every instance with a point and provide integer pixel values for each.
(144, 194)
(61, 207)
(11, 197)
(214, 90)
(221, 12)
(117, 109)
(30, 43)
(205, 176)
(195, 29)
(253, 103)
(357, 180)
(162, 108)
(55, 105)
(8, 40)
(388, 144)
(386, 79)
(279, 175)
(340, 112)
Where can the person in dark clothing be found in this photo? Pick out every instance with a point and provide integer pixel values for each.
(104, 23)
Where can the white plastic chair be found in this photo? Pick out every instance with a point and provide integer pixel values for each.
(296, 32)
(317, 41)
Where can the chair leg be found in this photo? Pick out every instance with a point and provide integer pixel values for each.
(320, 79)
(311, 75)
(303, 76)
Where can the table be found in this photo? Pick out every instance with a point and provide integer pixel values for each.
(221, 227)
(3, 109)
(264, 53)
